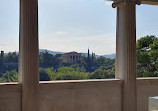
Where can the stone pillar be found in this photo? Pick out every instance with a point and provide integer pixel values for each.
(28, 60)
(126, 54)
(75, 58)
(69, 58)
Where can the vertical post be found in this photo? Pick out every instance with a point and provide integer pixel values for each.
(126, 54)
(28, 60)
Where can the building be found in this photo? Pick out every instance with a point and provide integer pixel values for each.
(72, 57)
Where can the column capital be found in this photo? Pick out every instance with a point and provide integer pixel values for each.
(118, 3)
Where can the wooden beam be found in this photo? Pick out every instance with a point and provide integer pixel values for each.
(122, 2)
(150, 2)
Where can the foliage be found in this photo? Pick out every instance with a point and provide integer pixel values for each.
(93, 64)
(43, 75)
(12, 57)
(70, 73)
(147, 56)
(11, 76)
(49, 60)
(52, 68)
(8, 62)
(102, 73)
(51, 73)
(2, 80)
(103, 61)
(66, 73)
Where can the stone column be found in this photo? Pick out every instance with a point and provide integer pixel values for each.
(69, 58)
(126, 54)
(28, 60)
(75, 58)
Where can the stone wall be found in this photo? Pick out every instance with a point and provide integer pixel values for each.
(80, 95)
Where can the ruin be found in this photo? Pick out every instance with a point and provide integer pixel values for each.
(72, 57)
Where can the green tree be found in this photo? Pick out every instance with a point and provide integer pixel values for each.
(51, 72)
(102, 61)
(2, 80)
(11, 76)
(69, 73)
(102, 73)
(49, 60)
(147, 56)
(43, 75)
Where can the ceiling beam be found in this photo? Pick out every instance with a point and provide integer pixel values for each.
(121, 2)
(150, 2)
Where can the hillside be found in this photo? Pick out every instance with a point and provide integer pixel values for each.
(111, 56)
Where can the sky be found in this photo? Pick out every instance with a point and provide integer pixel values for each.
(73, 25)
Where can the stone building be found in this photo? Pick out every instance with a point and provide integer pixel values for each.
(71, 57)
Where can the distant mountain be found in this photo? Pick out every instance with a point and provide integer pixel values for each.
(51, 52)
(111, 56)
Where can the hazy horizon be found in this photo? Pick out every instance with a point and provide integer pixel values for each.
(63, 52)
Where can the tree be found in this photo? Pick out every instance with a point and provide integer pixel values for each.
(44, 76)
(11, 76)
(49, 60)
(102, 73)
(147, 56)
(12, 57)
(103, 61)
(69, 73)
(2, 80)
(8, 62)
(51, 73)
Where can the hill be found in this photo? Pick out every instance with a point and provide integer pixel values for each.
(111, 56)
(51, 52)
